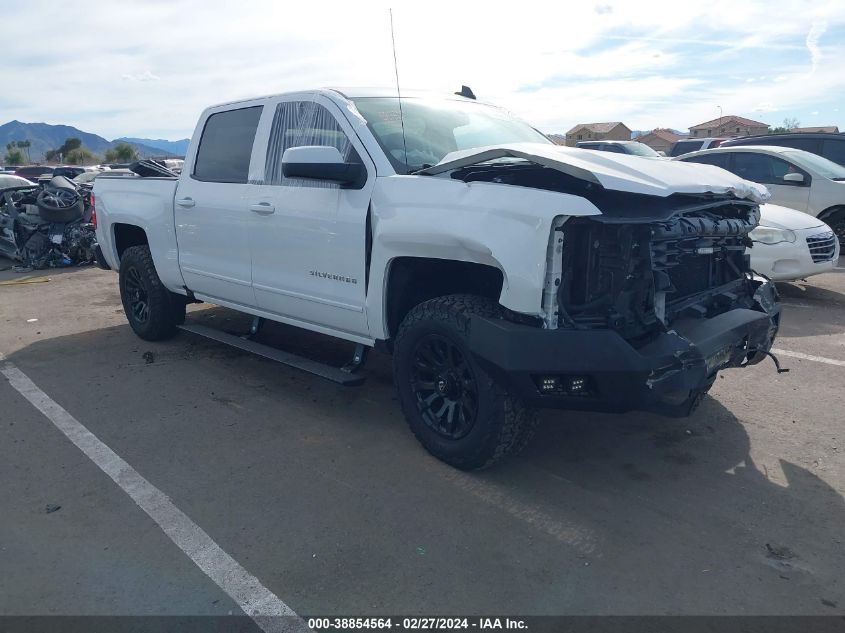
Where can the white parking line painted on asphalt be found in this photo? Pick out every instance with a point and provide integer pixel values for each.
(818, 359)
(258, 602)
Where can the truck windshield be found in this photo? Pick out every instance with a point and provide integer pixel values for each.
(435, 127)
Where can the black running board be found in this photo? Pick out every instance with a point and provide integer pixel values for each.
(335, 374)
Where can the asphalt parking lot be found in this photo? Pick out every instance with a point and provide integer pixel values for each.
(322, 493)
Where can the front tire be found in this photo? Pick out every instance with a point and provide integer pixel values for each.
(457, 411)
(152, 310)
(837, 224)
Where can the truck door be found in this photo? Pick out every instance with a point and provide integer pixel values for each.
(211, 214)
(308, 237)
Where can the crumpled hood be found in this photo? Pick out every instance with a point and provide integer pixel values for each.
(784, 218)
(619, 172)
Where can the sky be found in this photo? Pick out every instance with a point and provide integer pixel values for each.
(147, 68)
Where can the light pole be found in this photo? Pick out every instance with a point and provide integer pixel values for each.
(720, 118)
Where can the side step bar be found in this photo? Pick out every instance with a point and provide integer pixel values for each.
(335, 374)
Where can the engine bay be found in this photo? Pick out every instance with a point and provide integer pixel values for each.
(638, 278)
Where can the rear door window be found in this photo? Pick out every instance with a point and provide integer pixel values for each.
(685, 147)
(226, 146)
(834, 149)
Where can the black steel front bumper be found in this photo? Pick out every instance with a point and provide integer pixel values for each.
(667, 375)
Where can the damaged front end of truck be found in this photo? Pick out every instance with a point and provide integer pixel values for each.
(643, 303)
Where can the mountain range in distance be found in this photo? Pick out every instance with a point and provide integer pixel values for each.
(177, 148)
(44, 137)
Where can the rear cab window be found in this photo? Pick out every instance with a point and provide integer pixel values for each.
(225, 146)
(609, 147)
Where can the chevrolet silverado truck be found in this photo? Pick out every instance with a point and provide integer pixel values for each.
(503, 273)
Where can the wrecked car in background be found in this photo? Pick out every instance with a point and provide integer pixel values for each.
(47, 225)
(504, 273)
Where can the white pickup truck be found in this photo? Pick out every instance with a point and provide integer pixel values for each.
(503, 272)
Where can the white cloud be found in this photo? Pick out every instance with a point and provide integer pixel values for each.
(146, 75)
(158, 64)
(816, 31)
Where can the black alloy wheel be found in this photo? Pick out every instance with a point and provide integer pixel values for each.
(153, 311)
(456, 409)
(136, 295)
(444, 386)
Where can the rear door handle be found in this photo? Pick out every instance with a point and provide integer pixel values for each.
(186, 203)
(263, 208)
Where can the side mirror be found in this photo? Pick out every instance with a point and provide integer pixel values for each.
(794, 177)
(321, 162)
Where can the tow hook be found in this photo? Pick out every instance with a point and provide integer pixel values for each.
(776, 362)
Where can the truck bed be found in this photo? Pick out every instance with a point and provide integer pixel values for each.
(143, 202)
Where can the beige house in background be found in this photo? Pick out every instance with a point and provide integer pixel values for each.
(609, 131)
(730, 125)
(660, 140)
(832, 129)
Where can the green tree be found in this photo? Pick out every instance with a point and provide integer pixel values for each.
(69, 145)
(79, 156)
(789, 124)
(121, 153)
(62, 153)
(14, 156)
(24, 145)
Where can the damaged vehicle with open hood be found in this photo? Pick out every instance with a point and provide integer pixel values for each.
(503, 273)
(48, 224)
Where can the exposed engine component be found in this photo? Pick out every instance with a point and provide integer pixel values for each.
(638, 278)
(58, 233)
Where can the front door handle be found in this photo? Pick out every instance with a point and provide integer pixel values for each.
(186, 203)
(263, 208)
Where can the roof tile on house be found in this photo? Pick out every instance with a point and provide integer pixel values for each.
(597, 128)
(666, 135)
(833, 129)
(725, 119)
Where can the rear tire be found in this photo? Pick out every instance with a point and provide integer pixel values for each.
(152, 310)
(457, 411)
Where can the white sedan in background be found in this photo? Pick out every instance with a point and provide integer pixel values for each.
(796, 179)
(789, 244)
